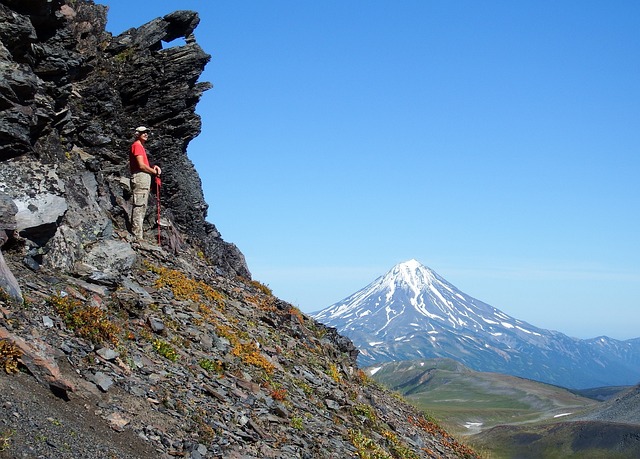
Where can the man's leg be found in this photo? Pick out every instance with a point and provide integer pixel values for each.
(140, 184)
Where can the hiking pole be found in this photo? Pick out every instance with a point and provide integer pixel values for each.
(158, 183)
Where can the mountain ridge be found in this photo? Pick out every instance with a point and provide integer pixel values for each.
(412, 312)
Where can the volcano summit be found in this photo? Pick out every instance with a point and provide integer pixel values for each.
(412, 312)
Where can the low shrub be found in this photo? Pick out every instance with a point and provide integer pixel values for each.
(88, 322)
(9, 355)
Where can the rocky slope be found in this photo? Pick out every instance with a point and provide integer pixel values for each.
(624, 407)
(187, 363)
(114, 348)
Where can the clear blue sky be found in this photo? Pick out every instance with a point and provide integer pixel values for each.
(496, 142)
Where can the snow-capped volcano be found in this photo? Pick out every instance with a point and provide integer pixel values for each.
(412, 312)
(410, 298)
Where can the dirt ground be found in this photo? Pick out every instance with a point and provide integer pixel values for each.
(35, 423)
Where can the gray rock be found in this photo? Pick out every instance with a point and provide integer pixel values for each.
(110, 259)
(332, 404)
(8, 282)
(137, 289)
(42, 209)
(107, 354)
(156, 324)
(8, 211)
(101, 380)
(68, 107)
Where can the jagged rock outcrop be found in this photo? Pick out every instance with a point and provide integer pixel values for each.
(70, 97)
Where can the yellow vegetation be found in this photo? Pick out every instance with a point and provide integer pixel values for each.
(184, 288)
(5, 440)
(434, 429)
(9, 355)
(89, 322)
(250, 354)
(164, 349)
(334, 372)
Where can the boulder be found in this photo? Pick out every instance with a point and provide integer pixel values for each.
(37, 356)
(8, 283)
(110, 261)
(39, 210)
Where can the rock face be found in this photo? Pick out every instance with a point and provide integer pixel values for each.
(70, 96)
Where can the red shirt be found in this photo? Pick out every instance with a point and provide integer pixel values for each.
(137, 149)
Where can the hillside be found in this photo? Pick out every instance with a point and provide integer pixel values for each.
(189, 360)
(609, 429)
(624, 407)
(566, 440)
(111, 347)
(468, 401)
(507, 417)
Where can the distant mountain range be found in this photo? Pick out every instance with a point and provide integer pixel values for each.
(411, 312)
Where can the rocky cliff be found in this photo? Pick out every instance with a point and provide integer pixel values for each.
(70, 97)
(115, 348)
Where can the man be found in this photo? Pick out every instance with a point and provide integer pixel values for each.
(141, 173)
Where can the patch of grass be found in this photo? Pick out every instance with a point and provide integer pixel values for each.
(388, 444)
(434, 429)
(5, 439)
(89, 322)
(206, 433)
(265, 303)
(297, 422)
(250, 354)
(306, 388)
(278, 393)
(125, 55)
(295, 312)
(212, 366)
(165, 349)
(54, 421)
(257, 285)
(263, 288)
(366, 411)
(366, 448)
(364, 379)
(9, 355)
(397, 448)
(247, 351)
